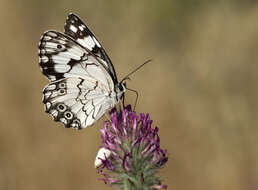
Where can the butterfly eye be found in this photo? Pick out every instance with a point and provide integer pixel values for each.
(61, 107)
(124, 84)
(62, 91)
(68, 115)
(121, 87)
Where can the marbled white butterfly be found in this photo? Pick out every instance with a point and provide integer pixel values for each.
(83, 82)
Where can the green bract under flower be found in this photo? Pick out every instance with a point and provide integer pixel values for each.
(134, 153)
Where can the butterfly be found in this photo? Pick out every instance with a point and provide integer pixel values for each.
(83, 83)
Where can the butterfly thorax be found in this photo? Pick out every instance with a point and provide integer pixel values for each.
(120, 90)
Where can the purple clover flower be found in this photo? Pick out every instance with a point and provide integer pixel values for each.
(130, 154)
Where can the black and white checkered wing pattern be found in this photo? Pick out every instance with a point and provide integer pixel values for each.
(83, 81)
(76, 29)
(60, 57)
(76, 102)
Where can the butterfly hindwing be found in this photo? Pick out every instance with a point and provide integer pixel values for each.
(75, 102)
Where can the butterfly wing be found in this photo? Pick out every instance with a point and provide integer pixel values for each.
(77, 102)
(83, 80)
(77, 30)
(81, 88)
(79, 93)
(61, 57)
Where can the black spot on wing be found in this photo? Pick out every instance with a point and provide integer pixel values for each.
(62, 113)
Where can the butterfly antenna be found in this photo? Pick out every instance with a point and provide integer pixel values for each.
(127, 76)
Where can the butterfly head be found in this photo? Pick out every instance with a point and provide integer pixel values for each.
(122, 86)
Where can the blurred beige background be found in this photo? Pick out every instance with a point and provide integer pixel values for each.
(200, 90)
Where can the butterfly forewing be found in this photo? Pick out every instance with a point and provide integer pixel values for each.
(75, 28)
(83, 81)
(60, 57)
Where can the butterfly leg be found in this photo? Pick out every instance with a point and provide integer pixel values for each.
(136, 99)
(123, 100)
(108, 120)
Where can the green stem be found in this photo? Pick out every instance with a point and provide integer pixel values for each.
(127, 185)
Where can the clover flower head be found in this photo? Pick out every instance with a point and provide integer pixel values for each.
(130, 155)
